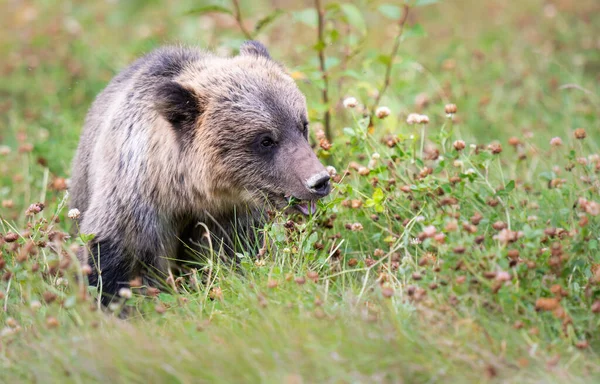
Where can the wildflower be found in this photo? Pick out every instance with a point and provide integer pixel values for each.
(582, 344)
(350, 102)
(579, 134)
(382, 112)
(495, 148)
(331, 170)
(473, 146)
(387, 292)
(546, 304)
(11, 237)
(556, 141)
(423, 119)
(34, 209)
(320, 134)
(593, 208)
(413, 118)
(450, 109)
(363, 171)
(356, 227)
(514, 141)
(325, 144)
(429, 231)
(125, 293)
(459, 145)
(51, 322)
(4, 150)
(74, 213)
(216, 293)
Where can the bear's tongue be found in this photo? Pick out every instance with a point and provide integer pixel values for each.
(307, 207)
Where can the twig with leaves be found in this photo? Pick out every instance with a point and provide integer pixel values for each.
(388, 70)
(322, 67)
(237, 13)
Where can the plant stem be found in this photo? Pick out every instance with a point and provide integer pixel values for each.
(238, 17)
(321, 49)
(388, 68)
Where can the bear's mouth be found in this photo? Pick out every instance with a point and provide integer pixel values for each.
(303, 206)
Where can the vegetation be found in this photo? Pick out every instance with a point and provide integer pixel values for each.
(460, 241)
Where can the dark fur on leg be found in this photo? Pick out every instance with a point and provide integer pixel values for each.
(115, 269)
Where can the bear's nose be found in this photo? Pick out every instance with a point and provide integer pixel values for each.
(319, 184)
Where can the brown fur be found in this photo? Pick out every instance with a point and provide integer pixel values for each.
(182, 137)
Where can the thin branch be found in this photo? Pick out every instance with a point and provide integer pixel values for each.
(238, 17)
(324, 76)
(388, 69)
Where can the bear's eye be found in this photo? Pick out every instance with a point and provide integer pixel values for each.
(267, 142)
(305, 127)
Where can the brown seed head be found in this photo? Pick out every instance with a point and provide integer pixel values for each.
(546, 304)
(52, 322)
(580, 134)
(459, 145)
(450, 109)
(387, 292)
(495, 148)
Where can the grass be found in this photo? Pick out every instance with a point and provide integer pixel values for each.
(426, 263)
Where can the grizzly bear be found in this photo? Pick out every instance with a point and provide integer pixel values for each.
(183, 142)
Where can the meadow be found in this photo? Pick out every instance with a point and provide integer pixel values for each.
(460, 242)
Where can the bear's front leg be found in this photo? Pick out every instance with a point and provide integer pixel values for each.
(111, 268)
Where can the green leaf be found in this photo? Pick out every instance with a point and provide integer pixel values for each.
(86, 238)
(414, 31)
(378, 195)
(420, 3)
(509, 186)
(349, 131)
(265, 21)
(384, 59)
(390, 11)
(209, 9)
(307, 16)
(354, 17)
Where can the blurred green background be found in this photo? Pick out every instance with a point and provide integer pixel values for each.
(516, 67)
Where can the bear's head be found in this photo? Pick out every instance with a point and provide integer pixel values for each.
(244, 124)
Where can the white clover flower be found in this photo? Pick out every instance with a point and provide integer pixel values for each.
(382, 112)
(74, 213)
(331, 170)
(556, 141)
(413, 118)
(350, 102)
(423, 119)
(125, 293)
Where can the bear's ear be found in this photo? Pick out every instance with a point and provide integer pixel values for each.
(254, 48)
(179, 106)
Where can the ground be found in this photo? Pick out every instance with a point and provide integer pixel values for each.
(462, 249)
